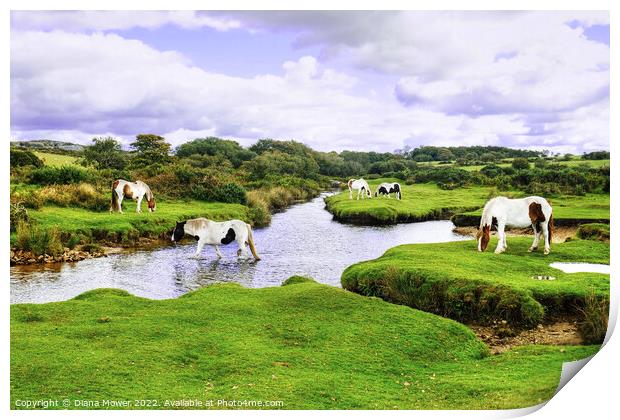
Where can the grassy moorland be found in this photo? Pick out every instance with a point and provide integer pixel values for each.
(427, 201)
(419, 202)
(567, 211)
(305, 344)
(55, 159)
(455, 280)
(569, 163)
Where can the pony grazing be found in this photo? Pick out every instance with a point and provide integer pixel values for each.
(208, 232)
(132, 190)
(387, 188)
(520, 212)
(361, 186)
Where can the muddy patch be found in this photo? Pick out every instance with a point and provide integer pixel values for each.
(560, 233)
(501, 337)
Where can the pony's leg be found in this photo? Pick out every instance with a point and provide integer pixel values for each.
(358, 194)
(120, 203)
(218, 252)
(139, 205)
(537, 233)
(501, 238)
(545, 231)
(243, 251)
(350, 194)
(198, 249)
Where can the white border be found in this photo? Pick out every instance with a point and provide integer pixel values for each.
(593, 393)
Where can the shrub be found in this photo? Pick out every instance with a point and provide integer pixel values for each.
(259, 209)
(24, 158)
(82, 195)
(230, 193)
(520, 163)
(18, 214)
(595, 314)
(38, 240)
(66, 174)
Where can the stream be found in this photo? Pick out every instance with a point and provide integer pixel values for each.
(302, 240)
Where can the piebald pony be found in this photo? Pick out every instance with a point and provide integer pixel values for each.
(387, 188)
(520, 212)
(361, 186)
(132, 190)
(208, 232)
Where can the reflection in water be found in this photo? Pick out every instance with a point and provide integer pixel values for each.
(303, 240)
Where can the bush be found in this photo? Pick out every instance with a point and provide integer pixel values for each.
(259, 209)
(82, 195)
(38, 240)
(18, 214)
(21, 158)
(66, 174)
(520, 163)
(230, 193)
(595, 313)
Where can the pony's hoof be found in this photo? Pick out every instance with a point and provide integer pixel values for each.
(547, 251)
(532, 249)
(499, 251)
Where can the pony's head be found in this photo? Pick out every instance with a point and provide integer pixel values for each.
(152, 206)
(367, 191)
(483, 237)
(179, 232)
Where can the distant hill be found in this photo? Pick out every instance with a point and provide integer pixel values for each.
(48, 145)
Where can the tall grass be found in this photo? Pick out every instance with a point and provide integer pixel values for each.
(38, 240)
(595, 315)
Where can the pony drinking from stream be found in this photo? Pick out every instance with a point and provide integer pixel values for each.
(361, 186)
(520, 213)
(208, 232)
(132, 190)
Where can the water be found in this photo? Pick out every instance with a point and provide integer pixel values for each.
(302, 240)
(578, 267)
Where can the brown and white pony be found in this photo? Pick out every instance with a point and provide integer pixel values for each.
(520, 212)
(208, 232)
(361, 186)
(132, 190)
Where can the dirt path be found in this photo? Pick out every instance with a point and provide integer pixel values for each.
(501, 338)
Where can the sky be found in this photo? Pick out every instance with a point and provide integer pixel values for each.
(334, 80)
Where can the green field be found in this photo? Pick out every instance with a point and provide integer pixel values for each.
(429, 202)
(573, 162)
(130, 225)
(419, 202)
(307, 345)
(455, 280)
(54, 159)
(567, 210)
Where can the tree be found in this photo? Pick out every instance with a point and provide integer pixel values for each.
(520, 163)
(213, 146)
(105, 153)
(150, 149)
(24, 158)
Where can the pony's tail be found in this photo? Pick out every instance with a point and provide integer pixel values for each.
(550, 227)
(114, 202)
(251, 243)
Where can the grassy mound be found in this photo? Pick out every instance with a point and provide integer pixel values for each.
(419, 202)
(456, 281)
(596, 231)
(305, 344)
(567, 211)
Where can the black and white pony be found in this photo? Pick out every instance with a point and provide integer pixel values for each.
(520, 212)
(387, 188)
(361, 186)
(208, 232)
(132, 190)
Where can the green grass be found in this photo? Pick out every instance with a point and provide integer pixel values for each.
(567, 210)
(131, 225)
(54, 159)
(305, 344)
(419, 202)
(572, 163)
(455, 280)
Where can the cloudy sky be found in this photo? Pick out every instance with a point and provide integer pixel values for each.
(333, 80)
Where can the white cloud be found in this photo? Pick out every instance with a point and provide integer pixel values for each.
(98, 20)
